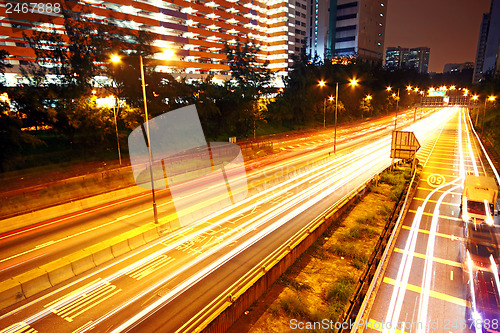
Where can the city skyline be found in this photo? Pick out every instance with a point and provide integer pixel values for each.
(450, 28)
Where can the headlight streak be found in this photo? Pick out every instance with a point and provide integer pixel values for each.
(359, 165)
(395, 304)
(398, 293)
(465, 214)
(380, 146)
(352, 156)
(161, 302)
(484, 151)
(469, 145)
(429, 259)
(475, 314)
(489, 219)
(323, 193)
(494, 269)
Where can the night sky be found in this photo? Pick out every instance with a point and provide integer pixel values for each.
(449, 27)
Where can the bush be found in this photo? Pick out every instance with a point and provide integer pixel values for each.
(294, 307)
(358, 264)
(396, 192)
(341, 291)
(367, 219)
(348, 251)
(385, 211)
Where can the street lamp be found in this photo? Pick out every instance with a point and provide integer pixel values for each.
(353, 83)
(397, 109)
(491, 99)
(475, 98)
(167, 54)
(115, 106)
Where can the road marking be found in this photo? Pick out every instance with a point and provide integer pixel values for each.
(44, 244)
(432, 293)
(451, 275)
(451, 237)
(435, 201)
(20, 327)
(150, 267)
(440, 216)
(69, 309)
(436, 259)
(441, 191)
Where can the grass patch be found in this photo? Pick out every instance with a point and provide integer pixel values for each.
(357, 232)
(367, 219)
(358, 264)
(274, 309)
(341, 290)
(396, 192)
(385, 211)
(349, 251)
(294, 307)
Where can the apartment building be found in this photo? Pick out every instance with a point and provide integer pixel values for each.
(340, 29)
(195, 30)
(402, 57)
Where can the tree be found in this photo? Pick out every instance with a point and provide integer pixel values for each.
(3, 64)
(252, 75)
(12, 138)
(250, 80)
(366, 106)
(75, 57)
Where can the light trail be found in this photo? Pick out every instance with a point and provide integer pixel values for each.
(399, 290)
(375, 157)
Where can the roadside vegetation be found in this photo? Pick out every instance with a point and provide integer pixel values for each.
(321, 282)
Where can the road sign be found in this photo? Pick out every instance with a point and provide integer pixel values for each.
(404, 145)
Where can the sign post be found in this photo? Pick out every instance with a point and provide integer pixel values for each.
(404, 145)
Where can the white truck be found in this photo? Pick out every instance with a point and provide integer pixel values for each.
(479, 199)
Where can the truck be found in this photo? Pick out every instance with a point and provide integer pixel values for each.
(479, 199)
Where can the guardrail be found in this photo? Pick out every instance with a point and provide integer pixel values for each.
(223, 311)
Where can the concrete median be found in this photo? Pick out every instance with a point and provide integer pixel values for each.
(120, 248)
(59, 271)
(11, 293)
(81, 262)
(34, 281)
(136, 241)
(51, 274)
(101, 256)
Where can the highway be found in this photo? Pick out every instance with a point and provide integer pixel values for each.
(423, 288)
(47, 240)
(162, 285)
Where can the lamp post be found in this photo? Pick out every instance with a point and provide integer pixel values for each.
(336, 111)
(322, 84)
(115, 58)
(397, 109)
(115, 106)
(474, 98)
(353, 83)
(491, 99)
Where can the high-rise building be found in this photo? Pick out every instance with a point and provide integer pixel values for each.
(396, 57)
(195, 30)
(402, 57)
(419, 59)
(339, 29)
(456, 68)
(489, 40)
